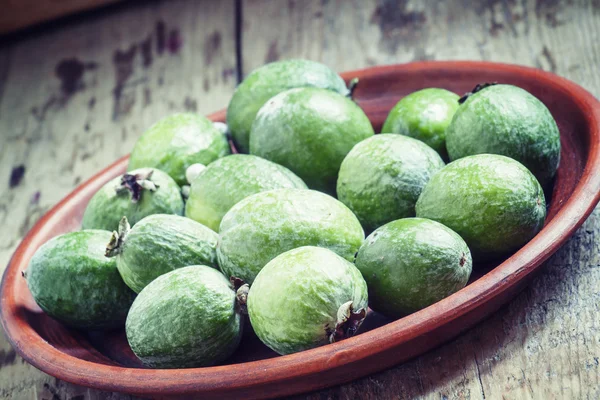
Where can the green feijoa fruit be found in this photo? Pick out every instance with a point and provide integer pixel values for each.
(136, 195)
(269, 80)
(73, 282)
(412, 263)
(507, 120)
(305, 298)
(382, 177)
(159, 244)
(493, 202)
(266, 224)
(227, 181)
(309, 131)
(185, 318)
(424, 115)
(178, 141)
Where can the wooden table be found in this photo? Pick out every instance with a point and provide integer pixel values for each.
(76, 93)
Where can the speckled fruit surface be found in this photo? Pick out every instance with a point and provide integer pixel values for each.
(161, 243)
(297, 299)
(227, 181)
(176, 142)
(71, 280)
(411, 263)
(493, 202)
(382, 177)
(125, 196)
(507, 120)
(185, 318)
(264, 225)
(267, 81)
(309, 131)
(424, 115)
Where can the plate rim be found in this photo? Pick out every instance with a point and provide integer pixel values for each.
(284, 369)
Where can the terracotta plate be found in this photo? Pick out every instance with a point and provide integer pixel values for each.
(104, 361)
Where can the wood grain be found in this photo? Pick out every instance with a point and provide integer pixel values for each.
(545, 344)
(75, 97)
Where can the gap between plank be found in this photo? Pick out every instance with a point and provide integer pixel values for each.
(238, 41)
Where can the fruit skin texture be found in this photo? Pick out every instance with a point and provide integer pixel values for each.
(108, 206)
(493, 202)
(507, 120)
(424, 115)
(412, 263)
(382, 177)
(264, 225)
(161, 243)
(74, 283)
(185, 318)
(309, 131)
(176, 142)
(269, 80)
(227, 181)
(294, 301)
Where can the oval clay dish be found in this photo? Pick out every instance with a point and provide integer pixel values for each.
(104, 361)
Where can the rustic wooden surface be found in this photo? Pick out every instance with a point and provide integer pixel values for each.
(74, 96)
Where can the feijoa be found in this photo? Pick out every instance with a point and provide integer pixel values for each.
(73, 282)
(493, 202)
(178, 141)
(135, 195)
(269, 80)
(185, 318)
(382, 177)
(424, 115)
(412, 263)
(230, 179)
(309, 131)
(266, 224)
(159, 244)
(507, 120)
(306, 297)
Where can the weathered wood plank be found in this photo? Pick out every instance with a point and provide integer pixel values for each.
(74, 98)
(544, 344)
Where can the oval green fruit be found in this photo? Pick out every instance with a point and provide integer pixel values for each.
(412, 263)
(424, 115)
(309, 131)
(73, 282)
(227, 181)
(382, 177)
(159, 244)
(507, 120)
(269, 80)
(264, 225)
(493, 202)
(135, 195)
(305, 298)
(185, 318)
(176, 142)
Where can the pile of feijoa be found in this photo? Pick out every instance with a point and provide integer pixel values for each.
(192, 238)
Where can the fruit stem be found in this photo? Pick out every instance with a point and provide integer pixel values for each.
(348, 322)
(117, 239)
(193, 171)
(185, 191)
(351, 87)
(479, 87)
(221, 127)
(241, 293)
(135, 184)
